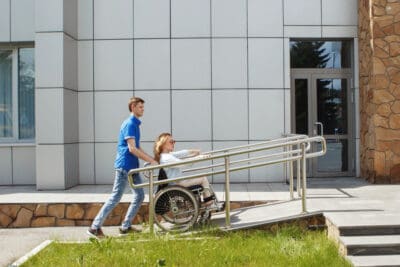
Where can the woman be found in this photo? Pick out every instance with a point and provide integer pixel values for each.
(164, 153)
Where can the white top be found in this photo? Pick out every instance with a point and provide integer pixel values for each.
(172, 157)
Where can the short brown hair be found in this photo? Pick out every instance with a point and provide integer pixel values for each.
(134, 100)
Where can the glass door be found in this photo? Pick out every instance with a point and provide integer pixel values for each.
(322, 105)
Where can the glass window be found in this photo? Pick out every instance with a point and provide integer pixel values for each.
(26, 93)
(320, 54)
(17, 94)
(6, 116)
(301, 105)
(332, 108)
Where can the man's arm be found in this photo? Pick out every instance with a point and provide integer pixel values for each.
(138, 152)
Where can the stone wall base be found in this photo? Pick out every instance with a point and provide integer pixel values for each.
(74, 214)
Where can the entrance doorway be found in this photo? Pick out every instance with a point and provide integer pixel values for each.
(322, 104)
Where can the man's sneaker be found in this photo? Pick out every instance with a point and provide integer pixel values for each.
(96, 233)
(130, 230)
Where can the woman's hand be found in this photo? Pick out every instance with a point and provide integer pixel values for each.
(203, 156)
(194, 152)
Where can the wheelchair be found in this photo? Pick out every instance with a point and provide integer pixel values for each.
(178, 208)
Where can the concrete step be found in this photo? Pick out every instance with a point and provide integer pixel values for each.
(376, 261)
(371, 245)
(368, 230)
(364, 223)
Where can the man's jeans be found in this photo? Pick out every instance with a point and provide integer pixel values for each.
(121, 179)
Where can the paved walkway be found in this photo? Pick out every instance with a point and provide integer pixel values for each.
(343, 200)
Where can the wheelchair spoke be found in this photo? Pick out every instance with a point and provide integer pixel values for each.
(176, 209)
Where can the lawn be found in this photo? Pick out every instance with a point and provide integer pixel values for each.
(287, 246)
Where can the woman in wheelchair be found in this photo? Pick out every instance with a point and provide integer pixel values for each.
(164, 153)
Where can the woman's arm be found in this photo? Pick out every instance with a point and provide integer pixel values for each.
(186, 153)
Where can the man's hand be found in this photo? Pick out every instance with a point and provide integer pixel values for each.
(153, 162)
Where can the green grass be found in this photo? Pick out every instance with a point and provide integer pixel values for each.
(288, 246)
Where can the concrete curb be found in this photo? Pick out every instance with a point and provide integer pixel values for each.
(31, 253)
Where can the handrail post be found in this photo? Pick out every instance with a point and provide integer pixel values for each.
(291, 176)
(298, 176)
(227, 195)
(303, 158)
(151, 202)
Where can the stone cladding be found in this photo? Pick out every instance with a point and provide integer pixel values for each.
(74, 214)
(379, 62)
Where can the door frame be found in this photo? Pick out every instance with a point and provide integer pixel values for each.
(312, 75)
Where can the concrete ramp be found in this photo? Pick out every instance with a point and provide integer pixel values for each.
(266, 214)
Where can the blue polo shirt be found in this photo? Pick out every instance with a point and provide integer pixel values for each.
(129, 129)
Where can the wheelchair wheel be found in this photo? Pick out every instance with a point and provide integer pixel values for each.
(176, 209)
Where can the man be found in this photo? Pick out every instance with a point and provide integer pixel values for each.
(128, 154)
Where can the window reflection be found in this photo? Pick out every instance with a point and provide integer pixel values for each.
(26, 93)
(320, 54)
(6, 116)
(336, 157)
(301, 105)
(332, 105)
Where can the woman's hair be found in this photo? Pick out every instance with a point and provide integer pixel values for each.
(158, 144)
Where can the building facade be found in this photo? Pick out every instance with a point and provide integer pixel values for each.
(216, 73)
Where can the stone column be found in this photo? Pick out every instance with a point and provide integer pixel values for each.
(56, 97)
(379, 55)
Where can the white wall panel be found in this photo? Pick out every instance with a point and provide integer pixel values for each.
(22, 20)
(266, 114)
(50, 167)
(86, 117)
(229, 59)
(49, 58)
(70, 63)
(339, 12)
(190, 18)
(5, 166)
(152, 64)
(85, 65)
(71, 117)
(49, 15)
(230, 115)
(229, 18)
(265, 63)
(113, 19)
(303, 31)
(71, 17)
(191, 115)
(339, 31)
(104, 162)
(191, 67)
(85, 19)
(5, 21)
(86, 163)
(49, 107)
(113, 65)
(302, 12)
(71, 165)
(151, 18)
(286, 62)
(24, 165)
(265, 18)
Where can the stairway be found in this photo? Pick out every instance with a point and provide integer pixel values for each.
(367, 244)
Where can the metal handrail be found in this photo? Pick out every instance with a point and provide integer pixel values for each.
(300, 155)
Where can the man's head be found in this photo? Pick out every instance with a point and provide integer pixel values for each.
(136, 106)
